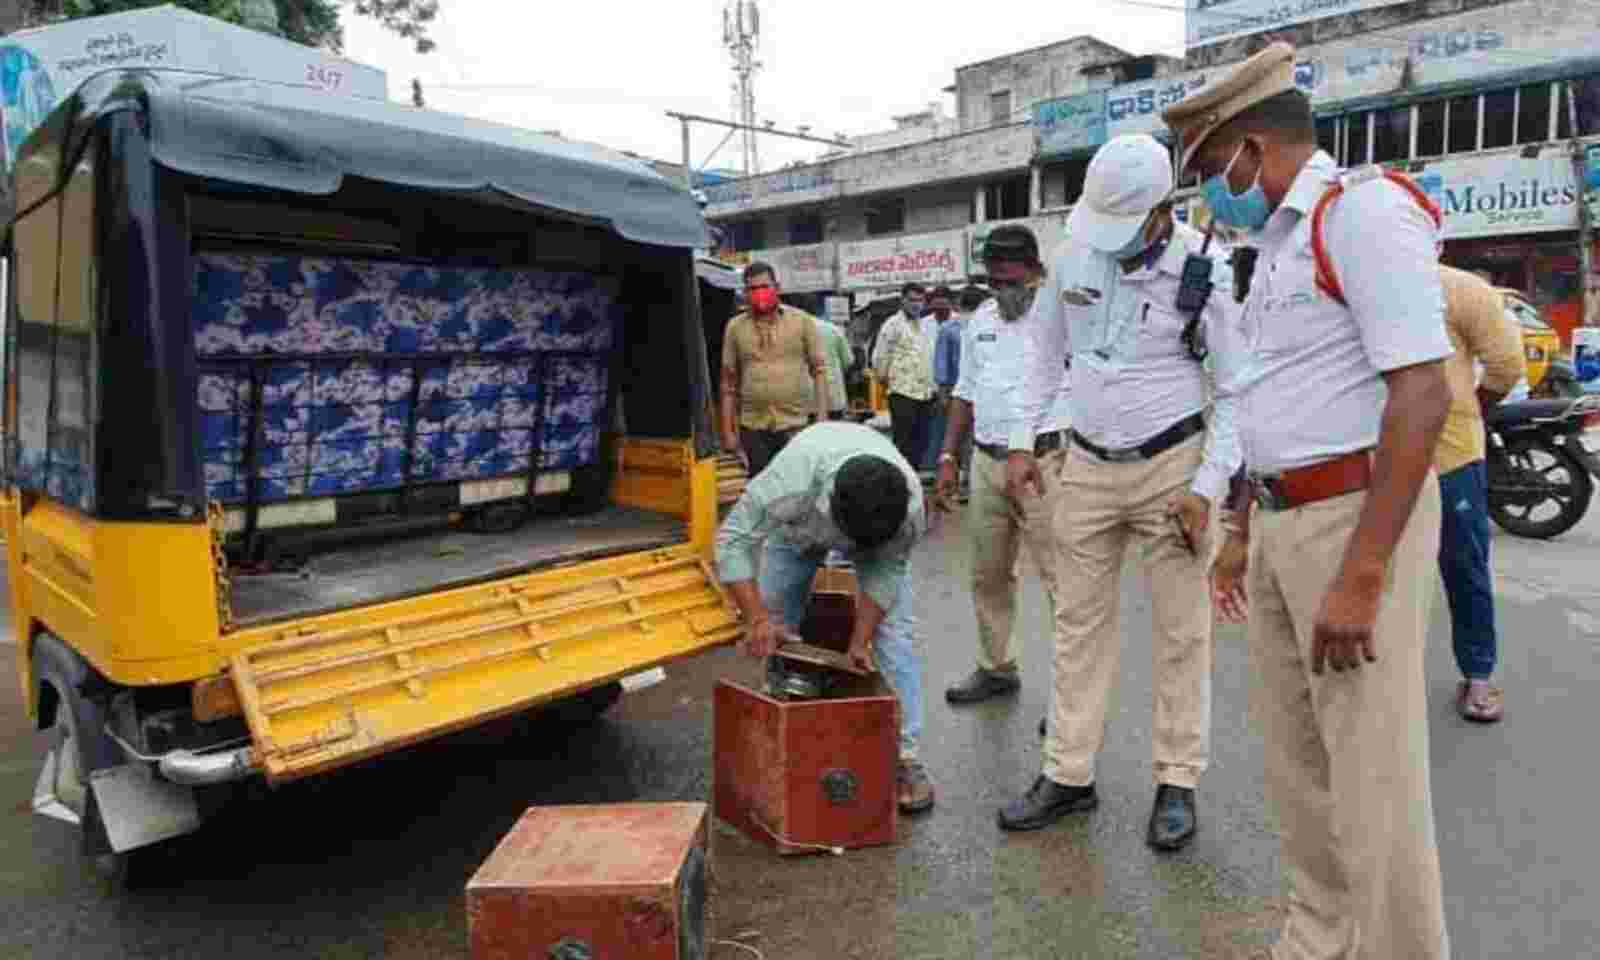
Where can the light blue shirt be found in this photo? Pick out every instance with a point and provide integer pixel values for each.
(947, 352)
(791, 501)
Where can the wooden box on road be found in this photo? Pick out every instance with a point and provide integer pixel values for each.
(798, 775)
(598, 882)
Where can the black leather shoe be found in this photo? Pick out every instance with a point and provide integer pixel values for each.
(1172, 818)
(983, 684)
(1045, 803)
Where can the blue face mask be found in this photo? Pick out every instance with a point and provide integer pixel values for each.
(1246, 211)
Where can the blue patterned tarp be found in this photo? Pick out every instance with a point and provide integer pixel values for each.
(426, 335)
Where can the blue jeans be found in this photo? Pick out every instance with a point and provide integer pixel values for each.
(786, 575)
(1464, 566)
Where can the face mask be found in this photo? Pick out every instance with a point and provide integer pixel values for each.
(914, 310)
(763, 300)
(1246, 211)
(1014, 300)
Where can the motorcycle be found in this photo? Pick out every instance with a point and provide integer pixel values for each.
(1541, 476)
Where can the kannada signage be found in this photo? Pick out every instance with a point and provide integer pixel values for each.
(924, 258)
(1070, 123)
(1212, 21)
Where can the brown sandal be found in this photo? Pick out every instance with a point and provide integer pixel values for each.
(1488, 706)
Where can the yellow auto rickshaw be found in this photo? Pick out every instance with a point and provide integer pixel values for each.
(1540, 343)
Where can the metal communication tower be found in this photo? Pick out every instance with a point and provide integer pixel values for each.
(741, 32)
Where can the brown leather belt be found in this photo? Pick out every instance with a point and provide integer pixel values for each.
(1320, 481)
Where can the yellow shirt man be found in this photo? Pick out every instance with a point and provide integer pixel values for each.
(1483, 332)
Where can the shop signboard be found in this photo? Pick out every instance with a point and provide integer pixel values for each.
(923, 258)
(1591, 180)
(1432, 52)
(1068, 124)
(1212, 21)
(1486, 195)
(801, 269)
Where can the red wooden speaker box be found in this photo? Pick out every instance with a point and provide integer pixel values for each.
(602, 882)
(802, 774)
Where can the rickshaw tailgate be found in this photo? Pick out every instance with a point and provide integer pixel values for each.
(328, 693)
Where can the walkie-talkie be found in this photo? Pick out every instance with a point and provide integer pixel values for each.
(1194, 290)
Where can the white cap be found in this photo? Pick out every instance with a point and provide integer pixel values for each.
(1128, 177)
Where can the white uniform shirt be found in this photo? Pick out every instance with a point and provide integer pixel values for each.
(1312, 386)
(1132, 378)
(992, 358)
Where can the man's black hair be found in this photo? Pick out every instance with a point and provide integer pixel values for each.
(1012, 242)
(912, 287)
(870, 499)
(1286, 116)
(757, 268)
(939, 291)
(972, 298)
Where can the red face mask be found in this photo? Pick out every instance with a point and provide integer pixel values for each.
(763, 299)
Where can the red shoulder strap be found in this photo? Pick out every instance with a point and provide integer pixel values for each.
(1327, 281)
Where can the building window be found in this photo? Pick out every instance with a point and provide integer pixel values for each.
(1533, 113)
(1463, 114)
(1499, 119)
(1328, 135)
(805, 228)
(886, 215)
(1007, 199)
(1356, 141)
(1075, 171)
(1000, 108)
(741, 235)
(1391, 134)
(1586, 93)
(1430, 128)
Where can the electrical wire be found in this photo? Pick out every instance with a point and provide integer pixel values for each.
(742, 946)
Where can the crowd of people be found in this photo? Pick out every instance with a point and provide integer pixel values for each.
(1298, 448)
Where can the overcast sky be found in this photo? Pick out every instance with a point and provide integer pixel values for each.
(604, 70)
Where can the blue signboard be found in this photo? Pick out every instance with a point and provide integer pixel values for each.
(1070, 123)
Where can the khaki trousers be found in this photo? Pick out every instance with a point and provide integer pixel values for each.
(997, 526)
(1347, 753)
(1104, 507)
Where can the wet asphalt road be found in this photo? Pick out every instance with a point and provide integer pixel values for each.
(371, 862)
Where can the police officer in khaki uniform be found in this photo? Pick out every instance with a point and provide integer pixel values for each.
(1342, 405)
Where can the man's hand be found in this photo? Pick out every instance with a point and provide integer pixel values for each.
(762, 637)
(1342, 637)
(1194, 514)
(1022, 475)
(1227, 579)
(949, 474)
(861, 654)
(730, 444)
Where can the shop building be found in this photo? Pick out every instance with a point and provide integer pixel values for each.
(1493, 106)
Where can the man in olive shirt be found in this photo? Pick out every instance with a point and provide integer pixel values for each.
(774, 380)
(836, 353)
